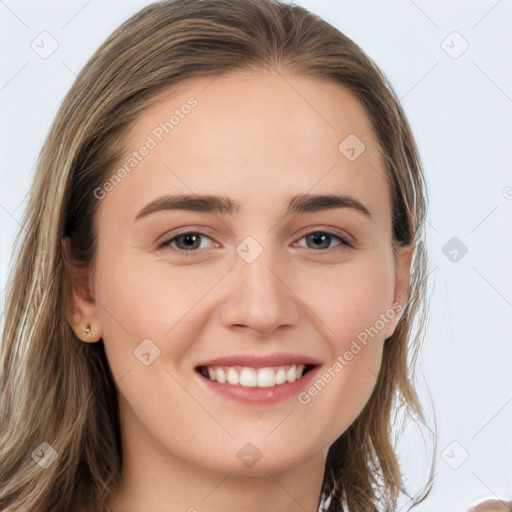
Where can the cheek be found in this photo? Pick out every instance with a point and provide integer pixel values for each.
(136, 303)
(351, 300)
(351, 304)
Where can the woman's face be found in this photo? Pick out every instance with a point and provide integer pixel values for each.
(269, 249)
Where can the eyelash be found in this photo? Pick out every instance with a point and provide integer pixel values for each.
(167, 243)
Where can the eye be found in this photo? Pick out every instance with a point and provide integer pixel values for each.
(186, 243)
(190, 242)
(322, 240)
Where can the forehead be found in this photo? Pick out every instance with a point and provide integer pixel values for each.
(255, 135)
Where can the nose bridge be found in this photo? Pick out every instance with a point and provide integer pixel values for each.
(258, 297)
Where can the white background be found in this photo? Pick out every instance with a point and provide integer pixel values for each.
(460, 111)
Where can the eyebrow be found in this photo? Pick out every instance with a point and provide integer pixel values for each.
(302, 203)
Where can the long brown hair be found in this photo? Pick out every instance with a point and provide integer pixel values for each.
(59, 390)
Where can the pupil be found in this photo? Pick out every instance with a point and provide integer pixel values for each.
(321, 238)
(189, 240)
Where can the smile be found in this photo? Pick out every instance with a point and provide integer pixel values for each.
(258, 379)
(254, 377)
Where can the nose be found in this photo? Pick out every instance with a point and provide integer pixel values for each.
(260, 297)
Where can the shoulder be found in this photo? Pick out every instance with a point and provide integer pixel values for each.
(492, 504)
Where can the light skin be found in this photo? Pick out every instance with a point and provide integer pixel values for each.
(259, 139)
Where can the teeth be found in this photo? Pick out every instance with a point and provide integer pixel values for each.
(221, 376)
(252, 377)
(291, 374)
(266, 378)
(280, 376)
(232, 376)
(248, 377)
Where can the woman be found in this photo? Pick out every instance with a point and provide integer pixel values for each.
(222, 261)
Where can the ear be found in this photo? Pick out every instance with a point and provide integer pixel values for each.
(81, 309)
(403, 263)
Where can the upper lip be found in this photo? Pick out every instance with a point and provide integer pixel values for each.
(261, 361)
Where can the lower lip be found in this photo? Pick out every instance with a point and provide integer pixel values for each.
(261, 395)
